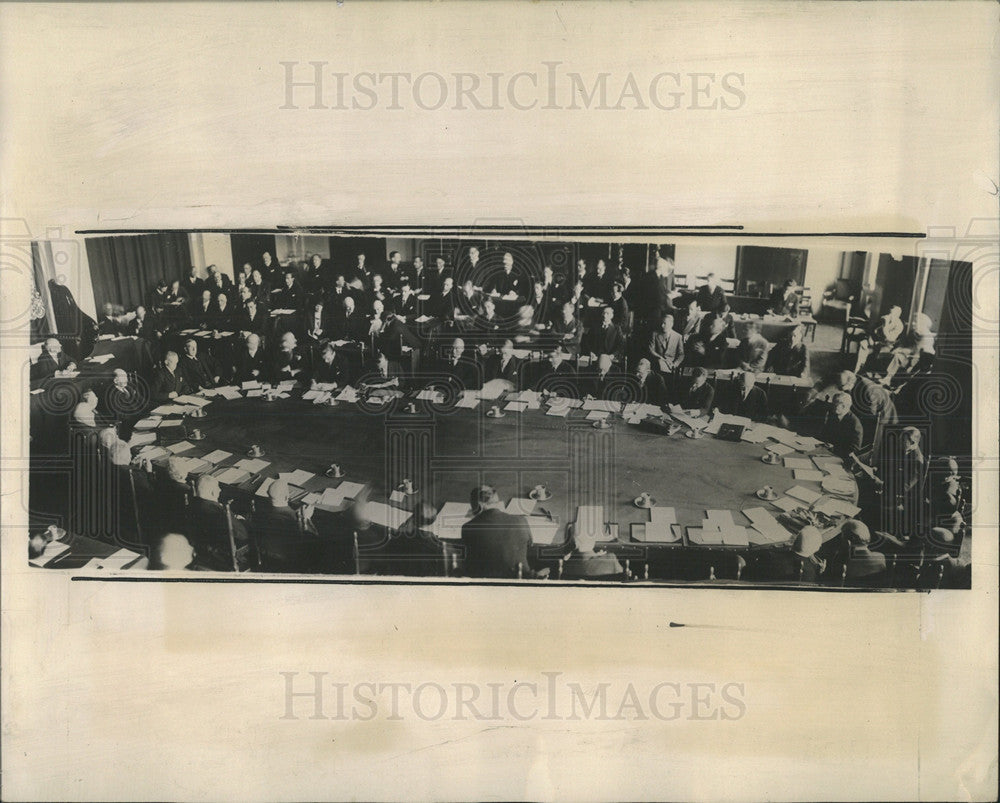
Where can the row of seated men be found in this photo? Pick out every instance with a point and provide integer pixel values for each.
(273, 535)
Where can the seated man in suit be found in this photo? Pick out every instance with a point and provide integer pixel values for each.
(607, 338)
(253, 319)
(52, 361)
(142, 325)
(250, 365)
(798, 563)
(123, 400)
(203, 310)
(711, 297)
(225, 315)
(850, 549)
(688, 320)
(199, 370)
(488, 323)
(745, 398)
(558, 376)
(441, 304)
(381, 374)
(208, 527)
(789, 357)
(329, 369)
(338, 292)
(496, 543)
(504, 365)
(700, 395)
(350, 324)
(751, 354)
(649, 388)
(568, 330)
(168, 381)
(941, 565)
(666, 347)
(108, 323)
(317, 323)
(460, 369)
(601, 382)
(785, 299)
(282, 544)
(405, 304)
(870, 399)
(585, 563)
(842, 429)
(289, 362)
(289, 295)
(708, 349)
(468, 303)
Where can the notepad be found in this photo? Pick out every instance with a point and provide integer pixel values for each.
(798, 462)
(597, 415)
(217, 456)
(779, 448)
(787, 503)
(232, 476)
(520, 507)
(543, 531)
(807, 496)
(252, 465)
(516, 406)
(141, 438)
(192, 400)
(386, 516)
(178, 448)
(468, 400)
(297, 477)
(809, 474)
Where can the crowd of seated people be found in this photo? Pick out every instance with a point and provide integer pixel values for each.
(601, 333)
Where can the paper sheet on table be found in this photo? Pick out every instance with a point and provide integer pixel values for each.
(178, 448)
(167, 423)
(326, 386)
(809, 474)
(779, 448)
(331, 499)
(253, 465)
(202, 333)
(194, 465)
(428, 394)
(232, 476)
(590, 519)
(250, 384)
(520, 507)
(798, 462)
(753, 436)
(114, 562)
(837, 507)
(151, 422)
(168, 409)
(597, 415)
(422, 318)
(141, 438)
(282, 395)
(312, 498)
(298, 477)
(230, 393)
(761, 518)
(348, 394)
(286, 384)
(601, 405)
(386, 516)
(787, 504)
(562, 411)
(654, 533)
(349, 490)
(723, 518)
(807, 496)
(68, 374)
(152, 452)
(197, 401)
(543, 531)
(52, 550)
(469, 400)
(217, 456)
(662, 515)
(493, 389)
(100, 360)
(516, 406)
(827, 463)
(312, 395)
(36, 391)
(701, 535)
(255, 393)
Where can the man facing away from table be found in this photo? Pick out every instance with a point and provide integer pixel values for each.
(585, 563)
(496, 543)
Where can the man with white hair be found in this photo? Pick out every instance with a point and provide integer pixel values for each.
(607, 338)
(52, 361)
(842, 429)
(850, 549)
(648, 386)
(585, 562)
(208, 526)
(601, 381)
(122, 399)
(286, 541)
(711, 297)
(462, 370)
(173, 553)
(504, 365)
(350, 324)
(169, 382)
(250, 365)
(289, 362)
(85, 412)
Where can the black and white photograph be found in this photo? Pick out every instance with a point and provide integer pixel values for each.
(446, 400)
(476, 409)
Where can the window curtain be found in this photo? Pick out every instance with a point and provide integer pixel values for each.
(124, 269)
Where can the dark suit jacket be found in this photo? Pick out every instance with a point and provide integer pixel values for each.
(561, 380)
(199, 372)
(408, 309)
(592, 384)
(354, 327)
(257, 325)
(467, 374)
(165, 383)
(283, 363)
(652, 391)
(510, 372)
(495, 543)
(607, 341)
(246, 365)
(700, 398)
(845, 435)
(46, 366)
(711, 300)
(754, 406)
(332, 372)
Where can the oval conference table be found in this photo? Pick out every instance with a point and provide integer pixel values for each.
(446, 451)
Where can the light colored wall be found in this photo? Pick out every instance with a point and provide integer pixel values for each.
(406, 246)
(822, 270)
(211, 249)
(698, 260)
(299, 246)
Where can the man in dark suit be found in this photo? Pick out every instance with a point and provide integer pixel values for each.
(250, 365)
(601, 283)
(459, 369)
(289, 295)
(558, 376)
(317, 322)
(508, 285)
(496, 543)
(168, 381)
(607, 338)
(504, 365)
(253, 319)
(108, 323)
(224, 316)
(199, 370)
(711, 297)
(203, 310)
(122, 400)
(284, 542)
(746, 399)
(648, 386)
(142, 325)
(405, 304)
(288, 361)
(700, 395)
(850, 549)
(208, 528)
(192, 283)
(842, 429)
(599, 384)
(51, 361)
(350, 324)
(441, 304)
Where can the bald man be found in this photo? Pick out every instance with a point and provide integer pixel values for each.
(52, 361)
(460, 366)
(168, 381)
(250, 364)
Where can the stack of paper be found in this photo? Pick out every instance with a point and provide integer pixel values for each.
(431, 395)
(469, 400)
(449, 521)
(194, 465)
(516, 406)
(597, 415)
(326, 386)
(561, 410)
(152, 452)
(317, 396)
(255, 393)
(719, 518)
(253, 466)
(52, 550)
(753, 435)
(601, 405)
(286, 384)
(765, 528)
(798, 462)
(232, 476)
(787, 503)
(779, 448)
(141, 438)
(167, 423)
(230, 393)
(493, 389)
(196, 401)
(348, 394)
(169, 409)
